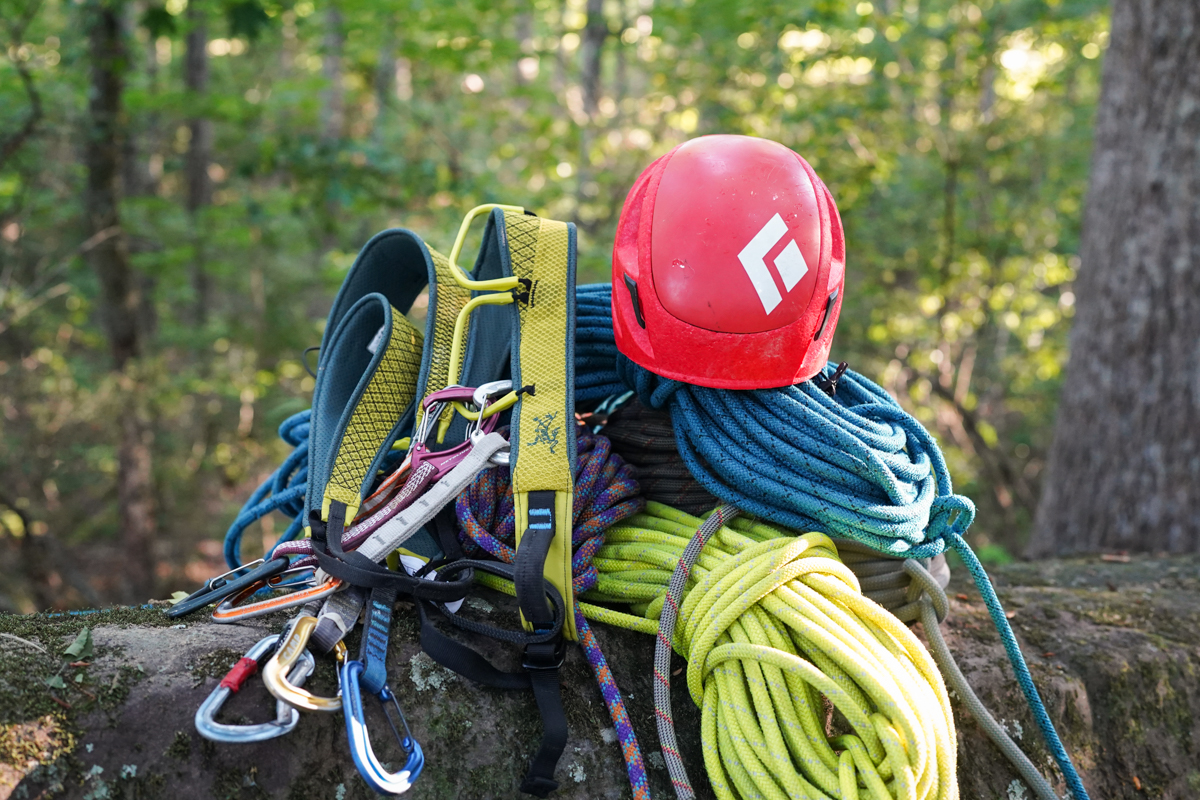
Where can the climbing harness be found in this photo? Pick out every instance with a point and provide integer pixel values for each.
(605, 493)
(286, 717)
(530, 261)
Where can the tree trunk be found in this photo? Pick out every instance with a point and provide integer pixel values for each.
(1124, 472)
(333, 101)
(120, 298)
(385, 83)
(199, 154)
(594, 34)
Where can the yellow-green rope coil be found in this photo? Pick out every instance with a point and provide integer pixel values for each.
(769, 623)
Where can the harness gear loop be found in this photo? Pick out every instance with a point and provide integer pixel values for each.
(498, 285)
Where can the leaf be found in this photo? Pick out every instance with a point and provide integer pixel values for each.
(178, 597)
(81, 648)
(247, 19)
(158, 21)
(55, 682)
(78, 678)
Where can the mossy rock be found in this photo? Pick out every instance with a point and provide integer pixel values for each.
(1114, 648)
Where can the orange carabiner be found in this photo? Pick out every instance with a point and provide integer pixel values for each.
(230, 611)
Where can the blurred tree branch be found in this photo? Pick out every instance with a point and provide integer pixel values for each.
(10, 144)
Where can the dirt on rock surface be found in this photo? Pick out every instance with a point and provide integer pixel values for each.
(1114, 648)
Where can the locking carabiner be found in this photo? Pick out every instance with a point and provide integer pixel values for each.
(286, 717)
(292, 647)
(374, 773)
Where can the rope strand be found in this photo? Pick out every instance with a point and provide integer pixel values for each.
(605, 494)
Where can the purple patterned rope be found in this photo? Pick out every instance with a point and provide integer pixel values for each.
(605, 494)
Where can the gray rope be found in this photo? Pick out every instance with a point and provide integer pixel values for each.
(663, 647)
(933, 606)
(883, 579)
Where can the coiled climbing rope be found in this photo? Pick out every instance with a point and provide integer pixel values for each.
(595, 349)
(771, 621)
(835, 454)
(605, 494)
(912, 590)
(645, 438)
(283, 491)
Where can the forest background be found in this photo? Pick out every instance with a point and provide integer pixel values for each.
(261, 144)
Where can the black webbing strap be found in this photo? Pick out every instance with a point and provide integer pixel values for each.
(543, 657)
(358, 570)
(531, 560)
(547, 691)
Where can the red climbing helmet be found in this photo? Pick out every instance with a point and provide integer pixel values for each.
(728, 266)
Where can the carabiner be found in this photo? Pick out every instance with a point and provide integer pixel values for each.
(218, 588)
(286, 717)
(460, 277)
(292, 647)
(374, 773)
(481, 398)
(230, 611)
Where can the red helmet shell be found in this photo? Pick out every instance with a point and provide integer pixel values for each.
(728, 266)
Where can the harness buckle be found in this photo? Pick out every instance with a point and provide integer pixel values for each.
(545, 655)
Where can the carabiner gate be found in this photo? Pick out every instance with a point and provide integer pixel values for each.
(374, 773)
(286, 717)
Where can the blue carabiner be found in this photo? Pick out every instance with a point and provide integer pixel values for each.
(372, 771)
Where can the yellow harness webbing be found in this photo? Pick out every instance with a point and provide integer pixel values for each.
(375, 388)
(542, 257)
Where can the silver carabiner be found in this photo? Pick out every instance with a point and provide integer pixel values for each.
(482, 399)
(286, 717)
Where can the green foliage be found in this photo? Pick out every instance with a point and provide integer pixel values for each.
(954, 136)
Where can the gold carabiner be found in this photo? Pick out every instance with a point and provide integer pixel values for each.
(276, 670)
(460, 277)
